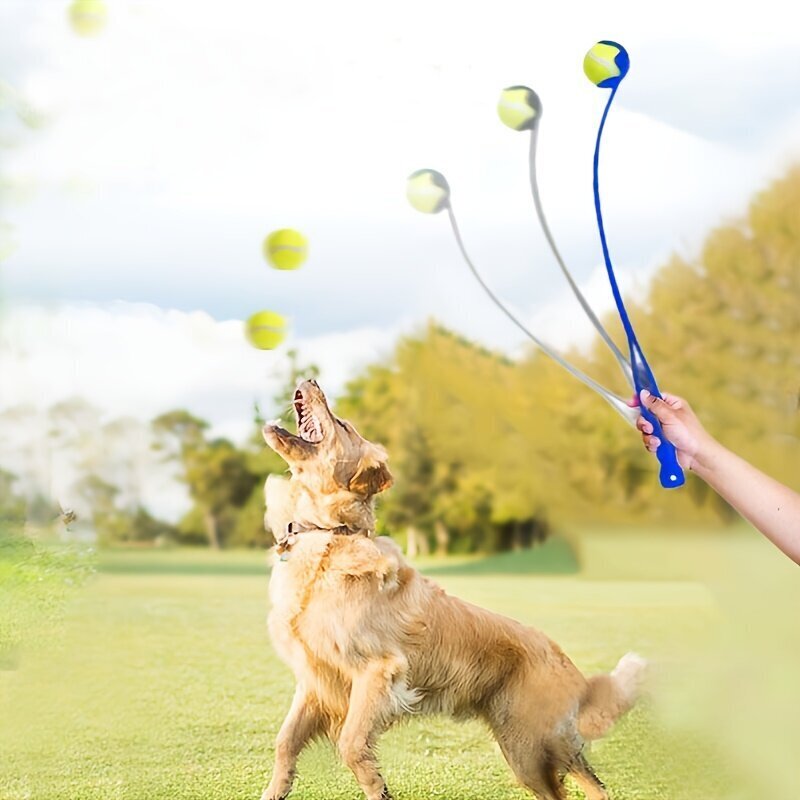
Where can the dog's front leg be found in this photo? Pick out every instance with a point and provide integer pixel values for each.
(302, 723)
(371, 708)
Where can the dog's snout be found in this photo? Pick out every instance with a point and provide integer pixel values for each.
(306, 386)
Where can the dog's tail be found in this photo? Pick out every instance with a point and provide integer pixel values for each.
(608, 697)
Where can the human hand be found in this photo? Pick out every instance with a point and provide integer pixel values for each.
(680, 426)
(771, 507)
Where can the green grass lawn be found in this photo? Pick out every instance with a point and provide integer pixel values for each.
(160, 682)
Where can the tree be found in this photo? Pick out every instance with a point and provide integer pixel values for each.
(496, 451)
(12, 506)
(220, 483)
(178, 432)
(127, 455)
(435, 406)
(723, 330)
(100, 496)
(217, 474)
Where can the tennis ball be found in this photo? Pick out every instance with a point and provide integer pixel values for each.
(266, 330)
(88, 17)
(606, 64)
(427, 191)
(519, 108)
(286, 248)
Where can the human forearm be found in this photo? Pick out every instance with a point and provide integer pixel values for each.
(771, 507)
(768, 505)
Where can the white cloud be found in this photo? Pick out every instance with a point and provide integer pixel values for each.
(202, 127)
(137, 361)
(140, 360)
(185, 132)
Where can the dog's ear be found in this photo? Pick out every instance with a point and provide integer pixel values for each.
(372, 475)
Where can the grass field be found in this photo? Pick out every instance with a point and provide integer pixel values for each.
(160, 682)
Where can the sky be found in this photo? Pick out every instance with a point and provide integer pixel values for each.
(176, 139)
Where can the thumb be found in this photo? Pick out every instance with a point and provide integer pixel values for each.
(662, 411)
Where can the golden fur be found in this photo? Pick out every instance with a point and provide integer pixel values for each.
(370, 640)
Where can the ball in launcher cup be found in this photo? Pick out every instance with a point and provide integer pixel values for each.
(519, 108)
(427, 191)
(606, 64)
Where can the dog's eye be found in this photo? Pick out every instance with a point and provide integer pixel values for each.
(339, 422)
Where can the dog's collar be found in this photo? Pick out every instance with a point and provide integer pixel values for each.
(285, 543)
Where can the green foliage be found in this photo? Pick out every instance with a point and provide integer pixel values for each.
(491, 447)
(435, 407)
(35, 581)
(215, 472)
(465, 441)
(723, 331)
(248, 527)
(178, 431)
(490, 453)
(138, 526)
(12, 506)
(224, 481)
(115, 525)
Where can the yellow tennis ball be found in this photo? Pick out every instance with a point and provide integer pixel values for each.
(88, 17)
(286, 248)
(606, 64)
(427, 191)
(519, 108)
(266, 329)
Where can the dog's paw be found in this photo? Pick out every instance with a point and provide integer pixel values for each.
(276, 793)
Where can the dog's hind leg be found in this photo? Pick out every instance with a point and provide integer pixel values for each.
(542, 779)
(532, 764)
(547, 785)
(372, 706)
(584, 776)
(303, 722)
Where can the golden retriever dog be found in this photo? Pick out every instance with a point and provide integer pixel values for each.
(371, 641)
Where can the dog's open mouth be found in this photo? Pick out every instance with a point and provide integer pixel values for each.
(309, 428)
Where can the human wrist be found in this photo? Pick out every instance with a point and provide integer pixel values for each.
(707, 457)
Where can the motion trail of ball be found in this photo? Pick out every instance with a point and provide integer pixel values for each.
(428, 192)
(520, 108)
(285, 249)
(88, 17)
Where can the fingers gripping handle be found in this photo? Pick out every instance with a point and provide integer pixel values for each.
(671, 474)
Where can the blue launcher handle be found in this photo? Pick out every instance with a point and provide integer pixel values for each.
(671, 474)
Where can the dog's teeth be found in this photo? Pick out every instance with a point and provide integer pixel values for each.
(308, 426)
